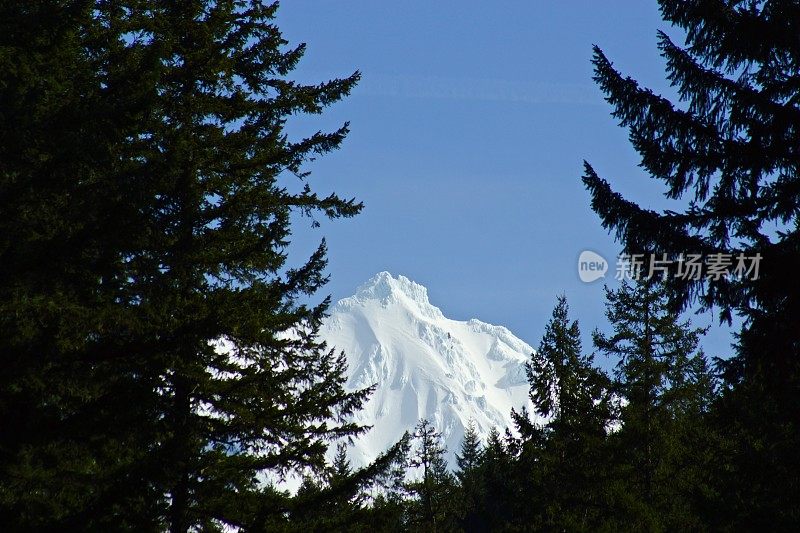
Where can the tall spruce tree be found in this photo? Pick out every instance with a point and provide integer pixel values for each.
(663, 381)
(71, 100)
(567, 456)
(153, 332)
(469, 496)
(244, 386)
(499, 498)
(470, 455)
(430, 507)
(564, 384)
(728, 149)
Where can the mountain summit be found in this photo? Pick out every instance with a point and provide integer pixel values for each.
(424, 364)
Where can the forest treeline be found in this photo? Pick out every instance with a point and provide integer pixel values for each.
(159, 351)
(635, 450)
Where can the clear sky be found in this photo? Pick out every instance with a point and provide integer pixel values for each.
(468, 133)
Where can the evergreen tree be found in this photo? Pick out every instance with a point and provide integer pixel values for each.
(429, 509)
(70, 101)
(564, 384)
(566, 460)
(469, 496)
(498, 489)
(340, 467)
(530, 453)
(344, 498)
(470, 456)
(270, 396)
(663, 380)
(728, 150)
(388, 511)
(158, 354)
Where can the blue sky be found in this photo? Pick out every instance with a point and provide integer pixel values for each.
(468, 133)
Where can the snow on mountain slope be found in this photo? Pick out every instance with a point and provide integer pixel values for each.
(424, 364)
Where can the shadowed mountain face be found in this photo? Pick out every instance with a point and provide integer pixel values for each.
(424, 364)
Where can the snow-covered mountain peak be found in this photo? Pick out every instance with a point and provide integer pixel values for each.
(387, 289)
(424, 365)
